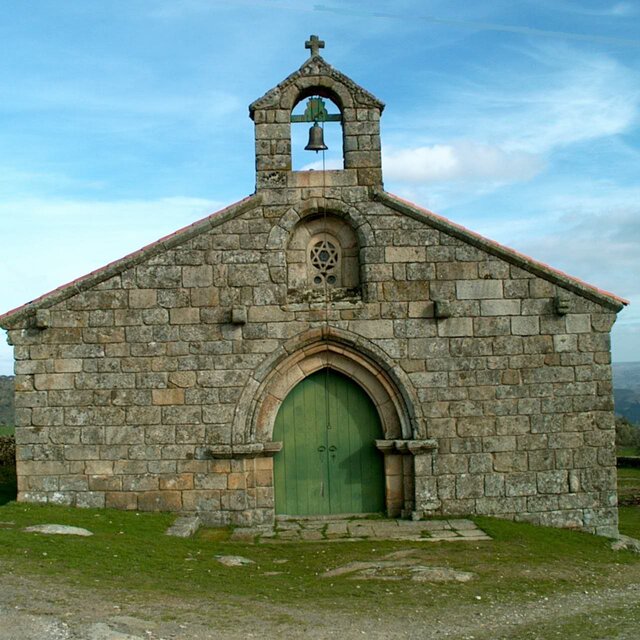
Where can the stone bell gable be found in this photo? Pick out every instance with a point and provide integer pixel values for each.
(232, 368)
(360, 112)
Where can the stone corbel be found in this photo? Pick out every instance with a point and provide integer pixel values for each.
(43, 318)
(406, 447)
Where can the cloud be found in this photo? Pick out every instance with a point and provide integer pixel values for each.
(594, 97)
(459, 161)
(615, 10)
(547, 98)
(140, 101)
(623, 9)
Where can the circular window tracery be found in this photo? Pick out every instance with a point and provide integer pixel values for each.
(324, 257)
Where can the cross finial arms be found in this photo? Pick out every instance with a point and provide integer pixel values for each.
(315, 44)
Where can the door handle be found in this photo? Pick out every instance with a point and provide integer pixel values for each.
(322, 448)
(333, 448)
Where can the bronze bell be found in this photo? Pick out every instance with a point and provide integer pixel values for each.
(316, 139)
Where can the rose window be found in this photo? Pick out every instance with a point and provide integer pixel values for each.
(324, 257)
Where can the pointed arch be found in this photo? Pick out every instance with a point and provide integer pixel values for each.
(386, 384)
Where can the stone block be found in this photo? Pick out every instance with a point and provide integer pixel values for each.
(564, 342)
(500, 307)
(184, 315)
(542, 503)
(237, 481)
(81, 452)
(525, 325)
(456, 270)
(160, 501)
(121, 500)
(140, 482)
(476, 426)
(404, 290)
(455, 327)
(142, 415)
(578, 323)
(480, 463)
(160, 277)
(201, 501)
(491, 326)
(532, 441)
(498, 443)
(167, 396)
(197, 276)
(210, 481)
(160, 434)
(182, 414)
(509, 505)
(130, 467)
(541, 460)
(479, 289)
(176, 482)
(404, 254)
(105, 483)
(520, 484)
(124, 434)
(450, 464)
(46, 381)
(90, 499)
(553, 482)
(493, 485)
(233, 500)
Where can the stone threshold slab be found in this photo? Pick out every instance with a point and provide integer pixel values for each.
(348, 530)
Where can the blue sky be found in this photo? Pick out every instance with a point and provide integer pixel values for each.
(123, 121)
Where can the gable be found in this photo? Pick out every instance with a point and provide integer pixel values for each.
(95, 278)
(371, 261)
(490, 247)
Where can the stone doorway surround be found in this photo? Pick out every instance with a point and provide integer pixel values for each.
(407, 452)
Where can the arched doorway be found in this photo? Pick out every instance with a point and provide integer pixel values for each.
(329, 463)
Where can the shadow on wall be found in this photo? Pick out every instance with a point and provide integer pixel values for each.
(8, 481)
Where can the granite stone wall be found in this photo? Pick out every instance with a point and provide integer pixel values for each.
(126, 393)
(153, 383)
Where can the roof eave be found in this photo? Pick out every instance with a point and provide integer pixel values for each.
(13, 318)
(605, 298)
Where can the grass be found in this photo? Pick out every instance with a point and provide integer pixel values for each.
(521, 561)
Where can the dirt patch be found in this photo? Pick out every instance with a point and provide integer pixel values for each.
(35, 609)
(395, 567)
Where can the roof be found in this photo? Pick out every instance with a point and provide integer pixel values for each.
(495, 248)
(394, 202)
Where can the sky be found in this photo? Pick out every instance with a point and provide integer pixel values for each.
(122, 121)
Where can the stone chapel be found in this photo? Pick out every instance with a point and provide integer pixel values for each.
(320, 347)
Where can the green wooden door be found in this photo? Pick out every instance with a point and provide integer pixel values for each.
(329, 462)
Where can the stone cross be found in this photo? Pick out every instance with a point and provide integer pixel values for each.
(314, 44)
